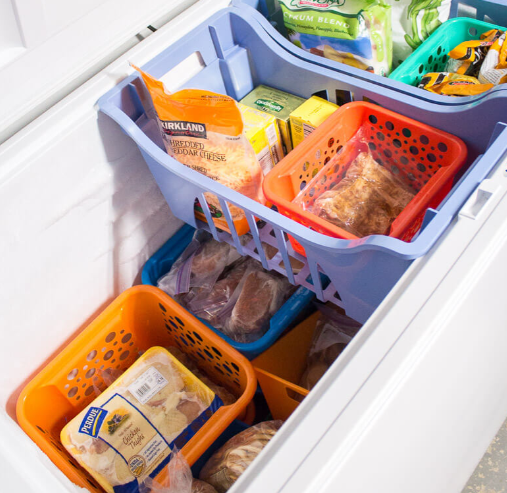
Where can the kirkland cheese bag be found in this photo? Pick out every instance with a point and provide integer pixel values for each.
(127, 434)
(204, 131)
(354, 32)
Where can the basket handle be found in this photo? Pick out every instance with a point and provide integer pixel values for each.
(454, 202)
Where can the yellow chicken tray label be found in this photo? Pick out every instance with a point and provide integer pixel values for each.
(129, 433)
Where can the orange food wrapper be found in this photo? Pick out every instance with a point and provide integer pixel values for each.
(452, 84)
(204, 131)
(467, 57)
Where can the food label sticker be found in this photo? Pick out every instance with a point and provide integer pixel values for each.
(147, 385)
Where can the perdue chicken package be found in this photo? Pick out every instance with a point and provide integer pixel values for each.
(204, 131)
(126, 435)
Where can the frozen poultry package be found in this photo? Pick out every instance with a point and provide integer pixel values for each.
(366, 201)
(226, 396)
(227, 464)
(126, 435)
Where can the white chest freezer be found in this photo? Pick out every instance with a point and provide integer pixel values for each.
(410, 406)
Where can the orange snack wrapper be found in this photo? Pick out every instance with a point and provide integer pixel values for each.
(451, 84)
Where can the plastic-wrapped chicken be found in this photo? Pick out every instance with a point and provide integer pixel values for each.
(227, 464)
(365, 202)
(199, 266)
(127, 433)
(333, 332)
(226, 397)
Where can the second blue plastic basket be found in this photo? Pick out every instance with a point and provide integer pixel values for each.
(161, 262)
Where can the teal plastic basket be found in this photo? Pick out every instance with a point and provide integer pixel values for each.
(431, 56)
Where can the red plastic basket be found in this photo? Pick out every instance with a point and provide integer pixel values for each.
(424, 158)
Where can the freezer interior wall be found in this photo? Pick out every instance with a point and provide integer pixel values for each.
(80, 216)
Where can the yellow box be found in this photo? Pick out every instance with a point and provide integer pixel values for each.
(279, 104)
(305, 119)
(263, 133)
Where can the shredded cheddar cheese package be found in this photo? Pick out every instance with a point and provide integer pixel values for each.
(126, 435)
(204, 131)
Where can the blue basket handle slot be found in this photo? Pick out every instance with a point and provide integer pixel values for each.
(282, 248)
(477, 204)
(180, 55)
(494, 11)
(254, 230)
(476, 174)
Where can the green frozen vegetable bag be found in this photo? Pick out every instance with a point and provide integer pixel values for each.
(354, 32)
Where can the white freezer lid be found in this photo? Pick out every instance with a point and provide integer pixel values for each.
(50, 47)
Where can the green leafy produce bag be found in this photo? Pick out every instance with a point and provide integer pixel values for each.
(413, 21)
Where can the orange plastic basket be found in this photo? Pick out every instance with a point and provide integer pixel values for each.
(422, 157)
(280, 368)
(140, 318)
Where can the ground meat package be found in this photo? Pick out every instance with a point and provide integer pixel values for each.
(126, 435)
(243, 301)
(209, 304)
(332, 334)
(366, 201)
(204, 131)
(199, 266)
(227, 464)
(258, 296)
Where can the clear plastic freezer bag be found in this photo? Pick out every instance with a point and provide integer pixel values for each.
(199, 266)
(364, 202)
(227, 464)
(333, 332)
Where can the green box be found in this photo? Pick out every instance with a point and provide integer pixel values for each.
(279, 104)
